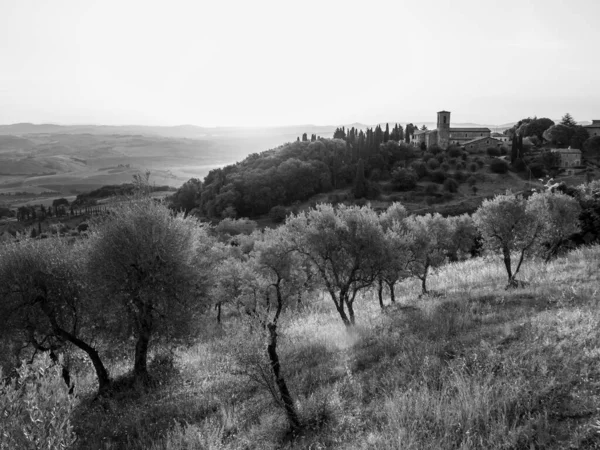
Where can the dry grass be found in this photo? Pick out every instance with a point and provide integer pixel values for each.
(477, 367)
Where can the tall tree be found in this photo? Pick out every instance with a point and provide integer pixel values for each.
(360, 186)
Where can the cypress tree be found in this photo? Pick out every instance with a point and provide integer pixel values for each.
(359, 189)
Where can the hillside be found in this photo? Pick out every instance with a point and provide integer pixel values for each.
(475, 367)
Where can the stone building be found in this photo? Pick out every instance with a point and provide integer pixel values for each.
(444, 135)
(481, 144)
(594, 128)
(569, 157)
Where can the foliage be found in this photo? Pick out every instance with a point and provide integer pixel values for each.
(278, 213)
(45, 301)
(498, 166)
(187, 196)
(509, 226)
(592, 145)
(557, 212)
(404, 179)
(35, 407)
(451, 185)
(152, 268)
(345, 246)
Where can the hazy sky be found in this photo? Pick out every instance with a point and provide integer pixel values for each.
(296, 62)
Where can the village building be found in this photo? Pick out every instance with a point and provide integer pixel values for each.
(501, 137)
(481, 144)
(569, 157)
(594, 128)
(444, 136)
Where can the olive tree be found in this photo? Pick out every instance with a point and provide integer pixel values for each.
(151, 266)
(559, 215)
(262, 286)
(345, 245)
(509, 227)
(430, 239)
(44, 300)
(396, 256)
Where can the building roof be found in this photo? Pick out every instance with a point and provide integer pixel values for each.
(481, 130)
(594, 124)
(423, 131)
(472, 141)
(444, 112)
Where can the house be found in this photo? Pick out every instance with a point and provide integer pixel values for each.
(569, 157)
(501, 137)
(481, 144)
(594, 128)
(444, 136)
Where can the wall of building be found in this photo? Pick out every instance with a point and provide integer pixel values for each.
(482, 145)
(460, 137)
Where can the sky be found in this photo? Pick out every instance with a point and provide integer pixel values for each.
(272, 63)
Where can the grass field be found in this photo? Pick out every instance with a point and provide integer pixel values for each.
(472, 367)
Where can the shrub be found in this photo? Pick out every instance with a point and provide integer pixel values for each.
(451, 185)
(452, 161)
(435, 149)
(431, 189)
(461, 165)
(499, 166)
(36, 407)
(278, 213)
(445, 167)
(433, 164)
(438, 176)
(471, 181)
(454, 152)
(537, 170)
(473, 167)
(460, 176)
(420, 168)
(404, 179)
(479, 162)
(493, 151)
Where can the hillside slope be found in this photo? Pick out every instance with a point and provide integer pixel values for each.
(473, 367)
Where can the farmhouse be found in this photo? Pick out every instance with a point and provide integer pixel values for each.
(594, 128)
(481, 144)
(569, 157)
(444, 136)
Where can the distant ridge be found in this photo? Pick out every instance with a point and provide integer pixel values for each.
(198, 132)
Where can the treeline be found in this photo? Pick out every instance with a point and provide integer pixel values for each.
(293, 173)
(146, 277)
(113, 190)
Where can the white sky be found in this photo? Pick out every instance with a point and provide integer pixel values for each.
(285, 62)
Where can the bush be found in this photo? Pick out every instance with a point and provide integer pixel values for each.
(404, 179)
(433, 164)
(445, 167)
(455, 152)
(431, 189)
(438, 176)
(537, 170)
(499, 166)
(461, 166)
(473, 167)
(460, 176)
(278, 213)
(36, 407)
(451, 185)
(471, 181)
(479, 162)
(493, 151)
(420, 168)
(435, 149)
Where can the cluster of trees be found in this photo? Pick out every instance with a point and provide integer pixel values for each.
(144, 276)
(540, 130)
(291, 173)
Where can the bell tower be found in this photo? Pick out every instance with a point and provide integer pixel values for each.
(443, 129)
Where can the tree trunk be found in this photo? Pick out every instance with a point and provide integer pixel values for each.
(286, 397)
(339, 306)
(507, 263)
(218, 308)
(380, 292)
(101, 372)
(391, 285)
(140, 365)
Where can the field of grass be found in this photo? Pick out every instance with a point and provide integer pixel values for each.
(472, 366)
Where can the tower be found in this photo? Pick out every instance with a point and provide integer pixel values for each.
(443, 128)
